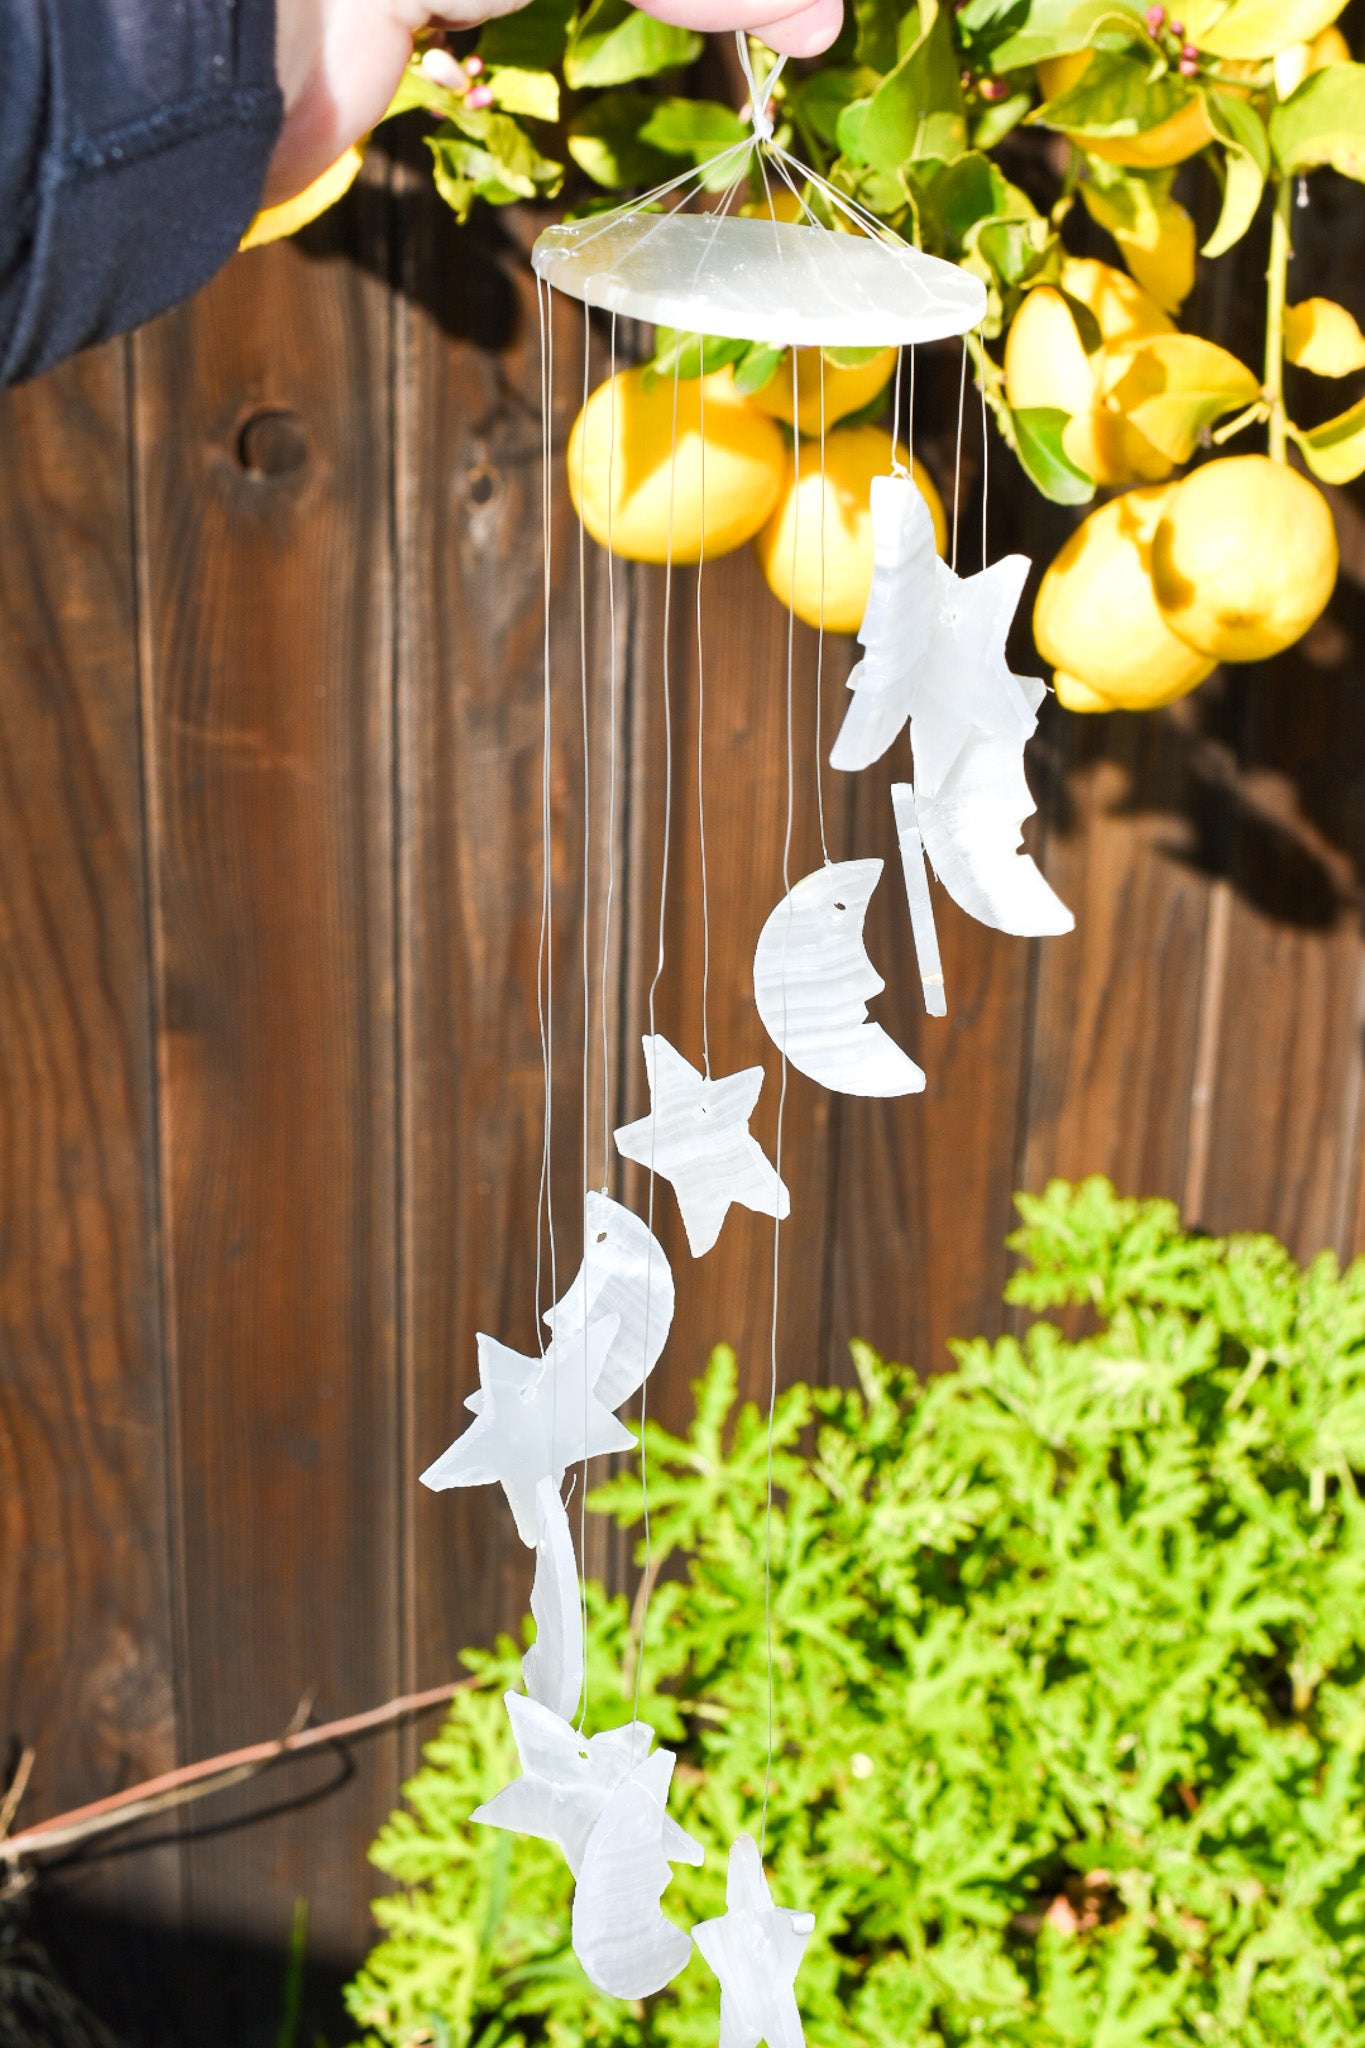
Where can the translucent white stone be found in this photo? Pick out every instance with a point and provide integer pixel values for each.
(922, 924)
(972, 837)
(755, 1950)
(552, 1669)
(896, 625)
(971, 718)
(538, 1416)
(965, 680)
(697, 1136)
(813, 979)
(567, 1779)
(620, 1937)
(624, 1273)
(760, 280)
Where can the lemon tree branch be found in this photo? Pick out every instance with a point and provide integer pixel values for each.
(1277, 281)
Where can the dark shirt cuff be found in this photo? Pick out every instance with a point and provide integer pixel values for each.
(125, 216)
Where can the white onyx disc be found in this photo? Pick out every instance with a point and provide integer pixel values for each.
(760, 280)
(812, 981)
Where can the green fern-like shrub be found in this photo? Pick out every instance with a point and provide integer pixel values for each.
(1070, 1680)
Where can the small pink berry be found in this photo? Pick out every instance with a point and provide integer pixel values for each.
(1156, 20)
(1189, 64)
(478, 97)
(993, 88)
(474, 66)
(1177, 29)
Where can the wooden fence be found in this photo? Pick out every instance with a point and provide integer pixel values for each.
(270, 1063)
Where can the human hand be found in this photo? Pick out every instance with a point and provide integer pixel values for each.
(339, 61)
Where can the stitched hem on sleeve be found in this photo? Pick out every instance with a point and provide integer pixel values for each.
(168, 127)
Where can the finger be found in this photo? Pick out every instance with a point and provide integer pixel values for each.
(716, 16)
(805, 33)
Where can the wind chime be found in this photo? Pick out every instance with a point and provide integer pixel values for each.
(934, 662)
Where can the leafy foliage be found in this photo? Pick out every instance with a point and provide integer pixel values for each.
(1070, 1670)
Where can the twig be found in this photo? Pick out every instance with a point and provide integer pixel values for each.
(196, 1781)
(18, 1785)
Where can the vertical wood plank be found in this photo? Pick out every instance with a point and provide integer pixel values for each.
(1120, 1001)
(263, 429)
(86, 1636)
(1285, 1110)
(742, 654)
(471, 721)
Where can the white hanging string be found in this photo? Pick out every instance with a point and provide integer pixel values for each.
(587, 986)
(897, 466)
(611, 779)
(545, 1221)
(653, 990)
(957, 470)
(820, 636)
(781, 1115)
(701, 748)
(985, 477)
(910, 422)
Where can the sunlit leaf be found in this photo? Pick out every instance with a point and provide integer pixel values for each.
(1153, 230)
(1055, 28)
(1321, 336)
(532, 93)
(1335, 451)
(1247, 164)
(1323, 123)
(1256, 28)
(917, 111)
(614, 42)
(1173, 386)
(1116, 96)
(1038, 433)
(604, 140)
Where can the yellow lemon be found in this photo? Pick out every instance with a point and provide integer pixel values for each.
(1179, 136)
(1123, 311)
(634, 482)
(833, 506)
(845, 390)
(1244, 558)
(1097, 619)
(1046, 365)
(274, 222)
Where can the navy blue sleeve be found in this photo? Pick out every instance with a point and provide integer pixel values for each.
(134, 141)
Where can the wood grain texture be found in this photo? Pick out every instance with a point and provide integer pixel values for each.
(1119, 1002)
(87, 1648)
(263, 447)
(471, 696)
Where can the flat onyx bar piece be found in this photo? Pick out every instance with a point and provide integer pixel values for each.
(760, 280)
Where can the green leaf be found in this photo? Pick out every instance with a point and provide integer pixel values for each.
(757, 367)
(1242, 133)
(822, 96)
(876, 44)
(486, 155)
(1001, 119)
(532, 39)
(697, 130)
(1335, 451)
(1116, 95)
(1323, 123)
(690, 355)
(1016, 250)
(1252, 29)
(1152, 228)
(1038, 433)
(614, 42)
(1057, 28)
(917, 111)
(532, 93)
(604, 140)
(415, 89)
